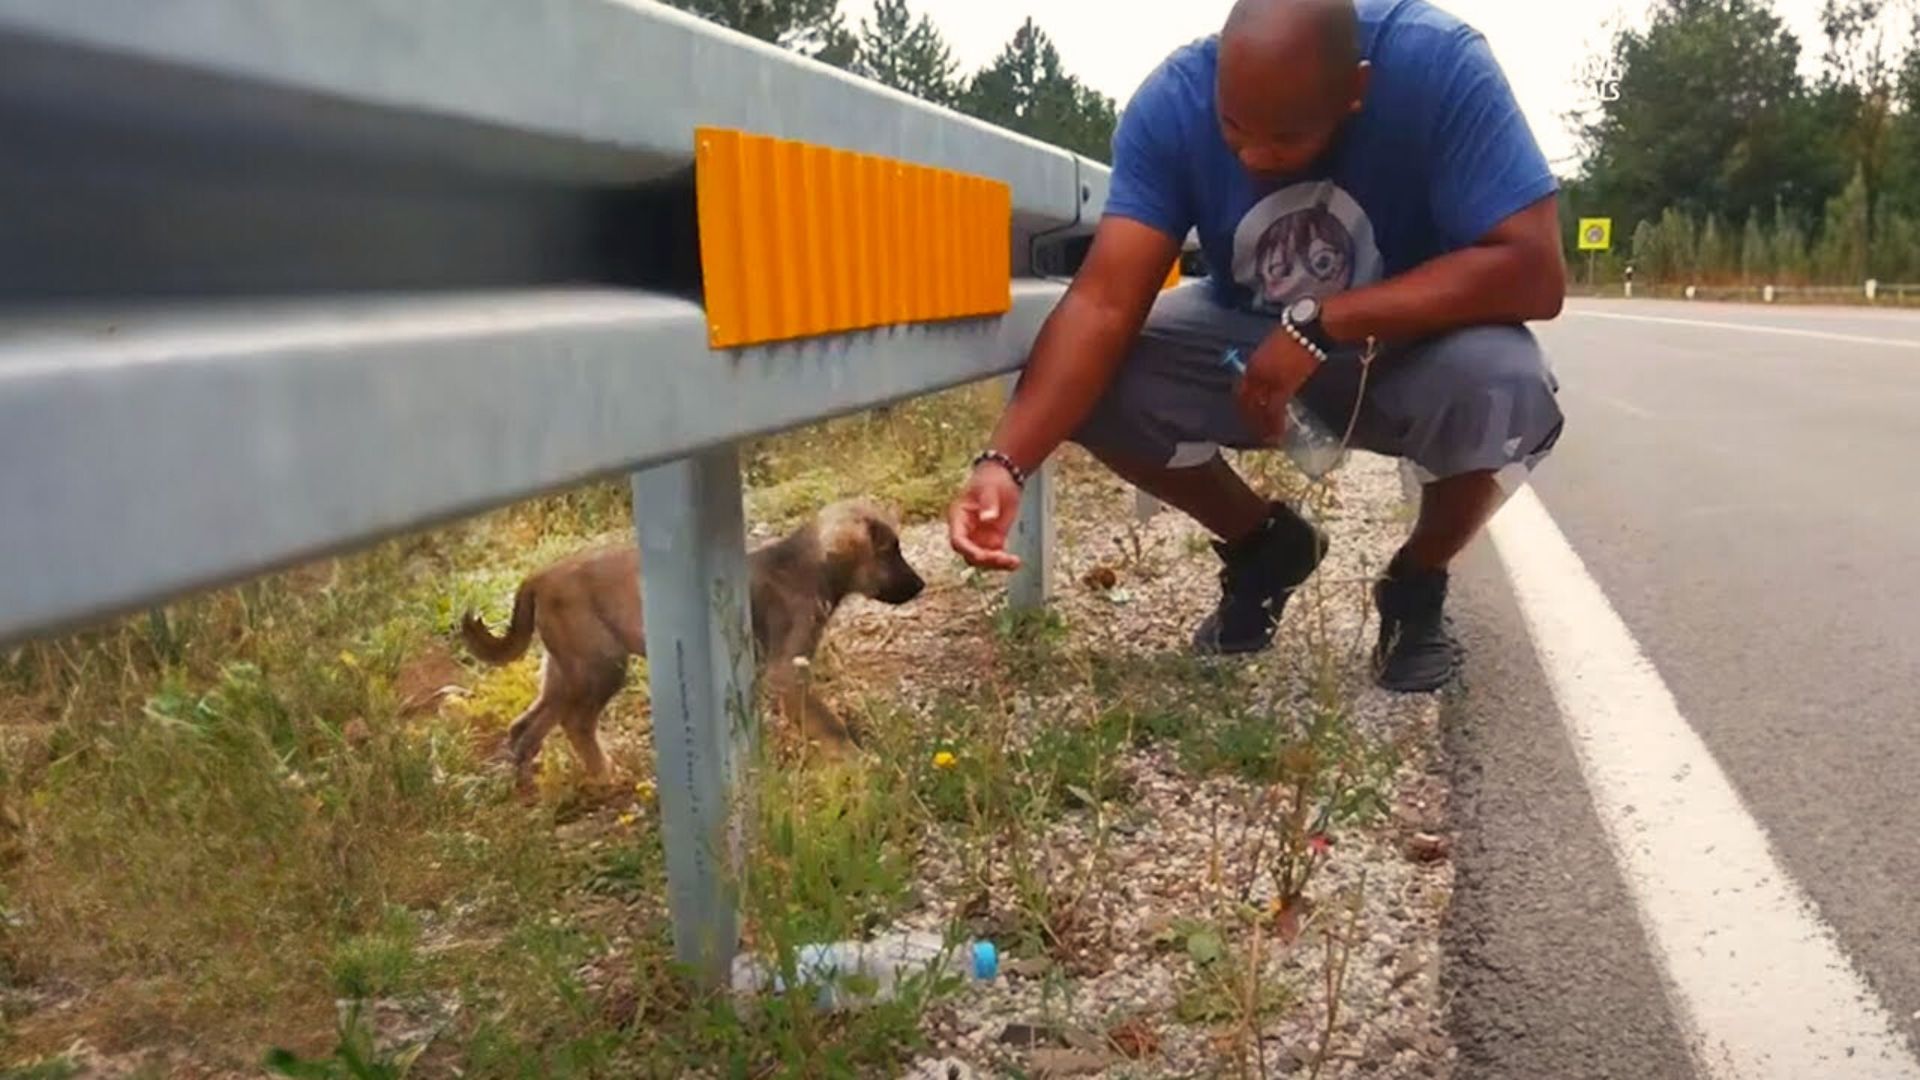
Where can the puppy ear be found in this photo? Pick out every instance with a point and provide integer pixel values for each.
(881, 534)
(844, 536)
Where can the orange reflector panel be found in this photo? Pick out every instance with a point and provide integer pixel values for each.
(1173, 276)
(798, 240)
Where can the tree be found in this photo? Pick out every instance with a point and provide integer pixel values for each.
(1895, 246)
(1756, 259)
(1025, 89)
(1715, 256)
(1711, 114)
(1862, 76)
(1789, 246)
(907, 54)
(1645, 252)
(809, 27)
(1902, 180)
(1681, 238)
(1842, 252)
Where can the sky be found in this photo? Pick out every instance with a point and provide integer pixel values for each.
(1113, 44)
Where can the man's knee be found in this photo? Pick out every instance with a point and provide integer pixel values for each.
(1164, 407)
(1479, 354)
(1479, 399)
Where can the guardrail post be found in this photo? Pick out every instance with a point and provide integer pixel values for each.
(1145, 506)
(1032, 537)
(1873, 290)
(693, 561)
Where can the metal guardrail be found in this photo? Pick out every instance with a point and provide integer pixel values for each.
(280, 278)
(1872, 292)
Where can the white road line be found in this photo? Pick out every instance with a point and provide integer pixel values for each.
(1756, 976)
(1751, 328)
(1622, 404)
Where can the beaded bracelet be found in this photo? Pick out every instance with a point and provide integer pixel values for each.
(1019, 475)
(1306, 342)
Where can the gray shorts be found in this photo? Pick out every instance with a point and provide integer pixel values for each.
(1481, 399)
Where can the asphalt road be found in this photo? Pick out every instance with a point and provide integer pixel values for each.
(1747, 496)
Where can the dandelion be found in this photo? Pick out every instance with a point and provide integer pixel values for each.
(945, 760)
(627, 820)
(348, 660)
(646, 792)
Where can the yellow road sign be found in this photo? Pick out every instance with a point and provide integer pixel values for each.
(1596, 234)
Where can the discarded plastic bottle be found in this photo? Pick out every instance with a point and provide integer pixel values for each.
(849, 974)
(1307, 441)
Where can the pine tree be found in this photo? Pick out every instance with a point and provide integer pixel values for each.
(1680, 245)
(1756, 260)
(1025, 89)
(1841, 257)
(1789, 245)
(907, 54)
(809, 27)
(1714, 261)
(1649, 262)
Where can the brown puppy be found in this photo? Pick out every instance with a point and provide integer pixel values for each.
(587, 611)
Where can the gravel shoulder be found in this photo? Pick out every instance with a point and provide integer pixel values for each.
(1178, 869)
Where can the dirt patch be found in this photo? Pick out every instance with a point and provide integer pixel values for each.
(428, 678)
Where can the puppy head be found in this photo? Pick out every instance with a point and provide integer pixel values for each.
(861, 545)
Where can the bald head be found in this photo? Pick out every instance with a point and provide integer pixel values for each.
(1290, 74)
(1327, 30)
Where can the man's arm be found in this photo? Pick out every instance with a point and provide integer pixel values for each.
(1084, 339)
(1516, 273)
(1073, 359)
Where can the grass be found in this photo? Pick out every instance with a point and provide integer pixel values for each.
(245, 831)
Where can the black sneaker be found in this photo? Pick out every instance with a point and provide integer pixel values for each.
(1417, 653)
(1257, 575)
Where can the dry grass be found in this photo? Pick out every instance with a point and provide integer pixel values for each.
(218, 820)
(220, 825)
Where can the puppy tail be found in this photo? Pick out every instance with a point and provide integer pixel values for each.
(502, 650)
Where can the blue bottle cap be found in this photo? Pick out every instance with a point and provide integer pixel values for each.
(986, 960)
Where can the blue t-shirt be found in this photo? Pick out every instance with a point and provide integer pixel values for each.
(1438, 155)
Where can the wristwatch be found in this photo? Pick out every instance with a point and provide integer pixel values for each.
(1303, 318)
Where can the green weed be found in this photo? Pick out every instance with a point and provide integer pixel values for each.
(239, 812)
(58, 1068)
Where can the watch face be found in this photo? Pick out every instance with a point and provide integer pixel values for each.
(1304, 310)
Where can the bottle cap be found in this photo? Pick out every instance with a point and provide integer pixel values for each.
(986, 960)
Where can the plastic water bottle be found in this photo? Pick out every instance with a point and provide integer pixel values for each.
(1314, 448)
(848, 974)
(1307, 441)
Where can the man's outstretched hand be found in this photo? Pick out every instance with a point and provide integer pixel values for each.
(982, 515)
